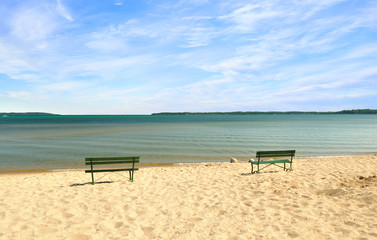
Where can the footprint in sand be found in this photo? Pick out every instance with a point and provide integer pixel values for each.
(78, 237)
(118, 224)
(195, 219)
(148, 231)
(293, 234)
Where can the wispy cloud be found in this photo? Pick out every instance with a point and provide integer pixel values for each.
(198, 55)
(249, 16)
(63, 11)
(32, 24)
(13, 60)
(64, 86)
(21, 94)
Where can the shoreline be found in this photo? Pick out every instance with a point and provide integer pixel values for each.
(148, 165)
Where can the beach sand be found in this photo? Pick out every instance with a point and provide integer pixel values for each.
(323, 198)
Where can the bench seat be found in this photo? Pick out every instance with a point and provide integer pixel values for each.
(111, 170)
(275, 161)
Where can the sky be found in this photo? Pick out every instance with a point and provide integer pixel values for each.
(142, 57)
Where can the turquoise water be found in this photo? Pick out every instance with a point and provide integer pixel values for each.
(55, 142)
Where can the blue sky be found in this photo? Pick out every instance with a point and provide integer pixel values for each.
(140, 57)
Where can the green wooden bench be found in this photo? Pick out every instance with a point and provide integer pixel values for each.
(130, 161)
(262, 155)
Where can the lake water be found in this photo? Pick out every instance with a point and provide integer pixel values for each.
(62, 142)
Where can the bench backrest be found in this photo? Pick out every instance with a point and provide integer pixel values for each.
(111, 160)
(283, 153)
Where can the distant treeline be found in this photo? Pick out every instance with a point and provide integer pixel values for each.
(25, 114)
(353, 111)
(358, 111)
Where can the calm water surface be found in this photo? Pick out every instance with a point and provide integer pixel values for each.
(54, 142)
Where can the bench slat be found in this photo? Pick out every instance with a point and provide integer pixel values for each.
(111, 158)
(112, 170)
(275, 153)
(109, 162)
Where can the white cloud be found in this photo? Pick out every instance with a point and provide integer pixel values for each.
(286, 40)
(191, 54)
(116, 37)
(12, 59)
(109, 68)
(32, 24)
(197, 36)
(64, 86)
(248, 16)
(107, 43)
(368, 51)
(312, 7)
(20, 94)
(197, 18)
(29, 77)
(118, 93)
(63, 11)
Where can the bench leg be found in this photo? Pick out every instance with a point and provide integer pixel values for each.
(252, 169)
(92, 179)
(131, 175)
(91, 167)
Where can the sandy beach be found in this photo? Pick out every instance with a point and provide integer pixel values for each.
(323, 198)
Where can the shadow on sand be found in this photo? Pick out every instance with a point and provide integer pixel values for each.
(88, 183)
(255, 173)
